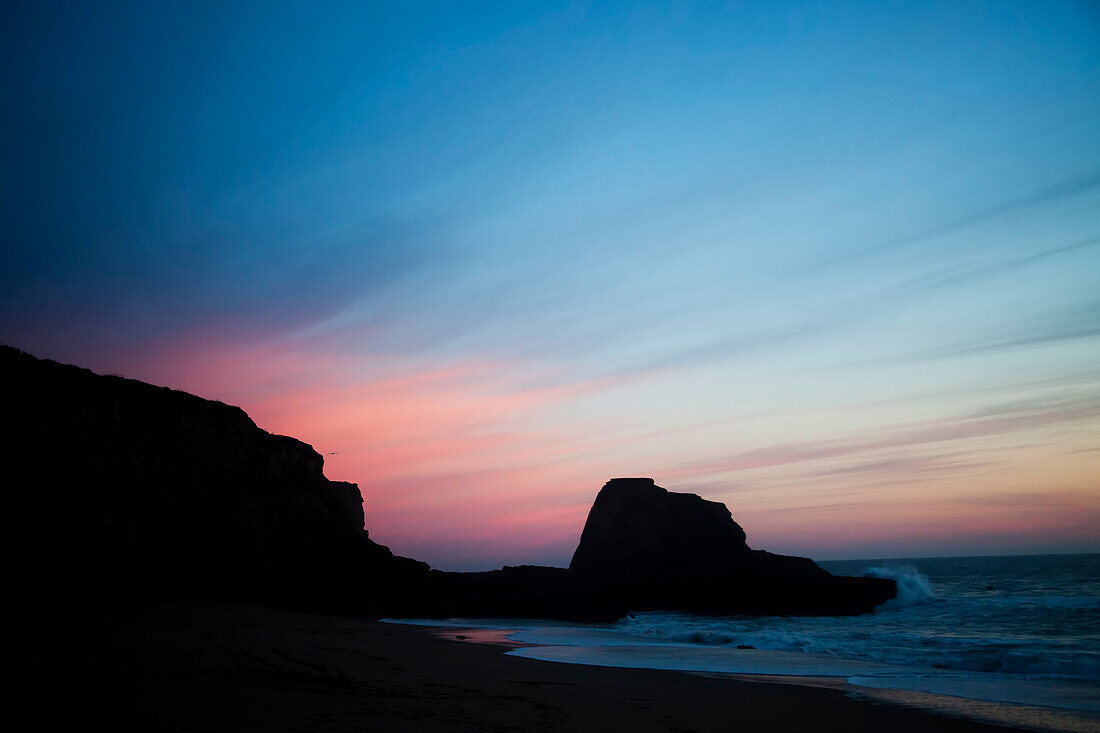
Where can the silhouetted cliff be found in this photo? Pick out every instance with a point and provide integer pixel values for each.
(135, 491)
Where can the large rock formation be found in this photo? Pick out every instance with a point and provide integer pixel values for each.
(133, 491)
(650, 549)
(638, 531)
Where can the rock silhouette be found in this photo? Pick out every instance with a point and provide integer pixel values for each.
(129, 492)
(652, 549)
(639, 531)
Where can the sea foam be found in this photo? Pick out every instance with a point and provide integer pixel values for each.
(914, 587)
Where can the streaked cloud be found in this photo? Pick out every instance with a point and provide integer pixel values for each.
(1059, 191)
(997, 420)
(841, 274)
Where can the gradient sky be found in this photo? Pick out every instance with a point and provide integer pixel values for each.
(834, 264)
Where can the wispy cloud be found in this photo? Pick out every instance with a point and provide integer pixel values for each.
(1065, 189)
(1077, 323)
(1073, 324)
(997, 420)
(439, 249)
(900, 469)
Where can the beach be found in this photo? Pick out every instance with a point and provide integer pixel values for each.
(207, 666)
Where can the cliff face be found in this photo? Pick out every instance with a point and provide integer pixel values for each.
(139, 491)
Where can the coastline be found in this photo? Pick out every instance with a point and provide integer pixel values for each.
(210, 666)
(892, 685)
(854, 682)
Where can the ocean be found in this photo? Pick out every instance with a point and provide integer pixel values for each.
(1008, 639)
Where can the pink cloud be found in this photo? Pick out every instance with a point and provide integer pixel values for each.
(457, 467)
(449, 456)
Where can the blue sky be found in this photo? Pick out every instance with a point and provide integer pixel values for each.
(835, 265)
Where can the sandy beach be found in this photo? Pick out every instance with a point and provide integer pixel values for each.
(190, 667)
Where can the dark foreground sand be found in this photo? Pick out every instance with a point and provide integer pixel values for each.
(233, 667)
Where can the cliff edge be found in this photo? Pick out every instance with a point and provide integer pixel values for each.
(130, 491)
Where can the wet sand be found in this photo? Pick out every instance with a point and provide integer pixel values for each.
(233, 667)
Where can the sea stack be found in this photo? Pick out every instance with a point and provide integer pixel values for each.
(654, 549)
(638, 531)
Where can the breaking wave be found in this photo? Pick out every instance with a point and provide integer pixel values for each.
(914, 587)
(1029, 617)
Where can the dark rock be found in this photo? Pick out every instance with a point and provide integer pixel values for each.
(639, 531)
(656, 549)
(130, 491)
(525, 591)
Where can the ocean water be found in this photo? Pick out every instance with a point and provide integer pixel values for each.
(1037, 616)
(1019, 635)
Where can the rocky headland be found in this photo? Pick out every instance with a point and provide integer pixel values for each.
(127, 491)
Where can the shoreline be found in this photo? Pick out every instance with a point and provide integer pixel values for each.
(206, 666)
(1013, 715)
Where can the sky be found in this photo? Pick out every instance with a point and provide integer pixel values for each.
(836, 265)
